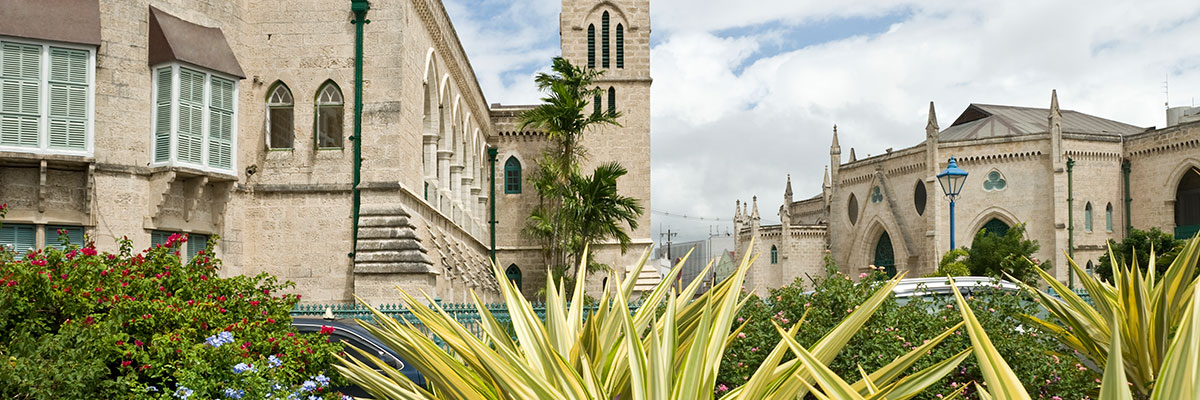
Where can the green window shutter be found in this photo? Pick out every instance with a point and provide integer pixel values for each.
(596, 103)
(68, 99)
(220, 124)
(604, 40)
(195, 243)
(591, 61)
(162, 115)
(18, 238)
(612, 100)
(189, 141)
(620, 46)
(159, 237)
(20, 77)
(73, 233)
(512, 176)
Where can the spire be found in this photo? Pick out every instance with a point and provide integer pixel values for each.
(835, 148)
(852, 157)
(1054, 102)
(754, 212)
(737, 210)
(826, 184)
(788, 191)
(931, 127)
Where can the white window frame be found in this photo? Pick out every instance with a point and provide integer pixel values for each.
(173, 160)
(44, 96)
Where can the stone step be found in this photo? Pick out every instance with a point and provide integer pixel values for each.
(387, 233)
(389, 244)
(392, 268)
(392, 256)
(382, 209)
(383, 221)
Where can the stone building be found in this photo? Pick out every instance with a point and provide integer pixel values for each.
(1075, 180)
(240, 120)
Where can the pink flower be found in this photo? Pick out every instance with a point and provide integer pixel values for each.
(862, 275)
(327, 330)
(741, 335)
(88, 251)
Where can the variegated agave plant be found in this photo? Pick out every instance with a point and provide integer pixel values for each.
(670, 348)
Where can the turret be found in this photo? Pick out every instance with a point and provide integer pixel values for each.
(785, 210)
(737, 217)
(835, 156)
(787, 191)
(826, 188)
(1055, 126)
(932, 158)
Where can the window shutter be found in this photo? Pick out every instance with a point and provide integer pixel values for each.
(20, 74)
(68, 99)
(620, 46)
(190, 138)
(195, 243)
(18, 238)
(162, 116)
(604, 40)
(220, 124)
(612, 100)
(73, 233)
(591, 61)
(159, 237)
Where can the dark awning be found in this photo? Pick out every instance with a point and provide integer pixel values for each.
(71, 21)
(173, 39)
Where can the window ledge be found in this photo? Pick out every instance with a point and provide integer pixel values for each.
(23, 158)
(213, 176)
(330, 148)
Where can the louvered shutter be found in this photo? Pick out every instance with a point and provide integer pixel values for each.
(18, 238)
(73, 233)
(162, 115)
(20, 74)
(190, 138)
(159, 237)
(68, 99)
(220, 124)
(195, 243)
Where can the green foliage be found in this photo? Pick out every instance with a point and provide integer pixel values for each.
(575, 210)
(1012, 254)
(78, 324)
(953, 263)
(1138, 243)
(1046, 368)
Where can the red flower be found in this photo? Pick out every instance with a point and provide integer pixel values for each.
(145, 367)
(270, 320)
(88, 251)
(126, 363)
(254, 302)
(89, 320)
(137, 343)
(120, 343)
(326, 330)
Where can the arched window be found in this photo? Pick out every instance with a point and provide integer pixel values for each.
(1187, 205)
(596, 102)
(1089, 266)
(279, 117)
(604, 40)
(1108, 218)
(1087, 217)
(774, 255)
(612, 100)
(996, 227)
(919, 197)
(512, 175)
(591, 61)
(513, 273)
(852, 209)
(620, 46)
(884, 254)
(329, 116)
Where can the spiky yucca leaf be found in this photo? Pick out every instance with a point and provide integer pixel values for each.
(1000, 378)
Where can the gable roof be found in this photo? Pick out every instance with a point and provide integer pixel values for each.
(983, 121)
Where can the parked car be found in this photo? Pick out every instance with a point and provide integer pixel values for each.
(937, 287)
(349, 332)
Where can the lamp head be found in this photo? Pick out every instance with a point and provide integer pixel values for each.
(952, 179)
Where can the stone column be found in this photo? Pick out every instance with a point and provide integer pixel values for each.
(443, 160)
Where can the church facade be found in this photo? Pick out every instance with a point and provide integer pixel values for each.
(1075, 180)
(342, 145)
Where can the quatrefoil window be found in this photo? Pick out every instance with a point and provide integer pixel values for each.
(995, 182)
(876, 195)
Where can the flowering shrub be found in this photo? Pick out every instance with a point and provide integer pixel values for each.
(1047, 369)
(79, 324)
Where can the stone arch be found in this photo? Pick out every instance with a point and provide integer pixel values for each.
(1186, 200)
(431, 111)
(990, 213)
(600, 7)
(430, 65)
(513, 273)
(444, 89)
(863, 249)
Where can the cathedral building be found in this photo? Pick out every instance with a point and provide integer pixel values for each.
(1075, 180)
(343, 145)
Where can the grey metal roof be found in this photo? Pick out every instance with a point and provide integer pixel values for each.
(983, 121)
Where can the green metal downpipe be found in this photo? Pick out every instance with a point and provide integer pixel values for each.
(1126, 168)
(492, 199)
(360, 8)
(1070, 222)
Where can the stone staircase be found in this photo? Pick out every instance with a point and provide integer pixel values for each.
(388, 242)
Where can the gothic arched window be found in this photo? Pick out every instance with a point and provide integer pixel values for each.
(620, 46)
(1108, 218)
(1087, 217)
(612, 100)
(329, 116)
(596, 102)
(604, 40)
(280, 117)
(513, 273)
(774, 255)
(512, 176)
(591, 61)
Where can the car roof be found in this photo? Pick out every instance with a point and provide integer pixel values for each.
(941, 286)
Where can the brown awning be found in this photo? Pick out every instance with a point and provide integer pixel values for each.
(173, 39)
(71, 21)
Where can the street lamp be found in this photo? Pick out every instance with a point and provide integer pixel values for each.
(952, 180)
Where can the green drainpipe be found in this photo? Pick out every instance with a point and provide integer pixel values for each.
(1070, 222)
(492, 199)
(360, 8)
(1126, 168)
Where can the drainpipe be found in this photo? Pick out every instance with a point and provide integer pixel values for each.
(491, 152)
(360, 8)
(1070, 222)
(1125, 169)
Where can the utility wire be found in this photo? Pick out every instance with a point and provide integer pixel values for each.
(692, 217)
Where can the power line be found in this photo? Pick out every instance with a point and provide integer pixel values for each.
(691, 217)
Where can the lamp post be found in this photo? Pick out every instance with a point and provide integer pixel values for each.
(952, 179)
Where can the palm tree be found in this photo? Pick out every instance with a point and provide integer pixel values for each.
(573, 211)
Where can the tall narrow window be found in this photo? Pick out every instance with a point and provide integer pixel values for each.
(774, 255)
(612, 100)
(1087, 217)
(1108, 218)
(596, 102)
(604, 40)
(591, 61)
(512, 176)
(513, 273)
(620, 46)
(280, 118)
(329, 116)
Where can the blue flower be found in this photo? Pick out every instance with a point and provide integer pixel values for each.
(322, 379)
(151, 388)
(243, 367)
(308, 386)
(347, 397)
(234, 394)
(225, 337)
(274, 362)
(183, 392)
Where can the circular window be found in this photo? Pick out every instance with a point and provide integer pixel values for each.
(852, 209)
(919, 197)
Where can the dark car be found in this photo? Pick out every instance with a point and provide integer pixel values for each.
(348, 332)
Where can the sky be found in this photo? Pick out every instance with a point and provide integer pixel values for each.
(746, 93)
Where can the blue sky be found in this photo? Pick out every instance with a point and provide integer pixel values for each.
(761, 86)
